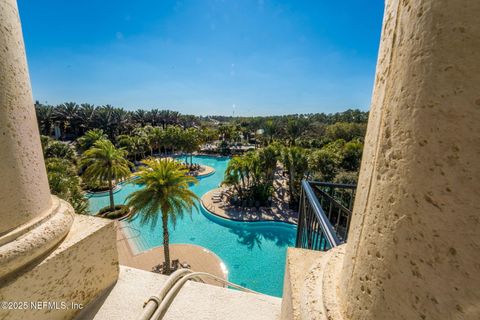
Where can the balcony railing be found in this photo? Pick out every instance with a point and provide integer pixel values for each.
(324, 214)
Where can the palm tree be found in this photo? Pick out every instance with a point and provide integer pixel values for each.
(44, 118)
(268, 163)
(271, 129)
(121, 121)
(153, 117)
(295, 128)
(166, 192)
(105, 163)
(58, 149)
(295, 160)
(67, 115)
(156, 138)
(140, 116)
(103, 119)
(86, 141)
(86, 116)
(235, 174)
(191, 142)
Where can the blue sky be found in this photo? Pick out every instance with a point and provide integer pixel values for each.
(251, 57)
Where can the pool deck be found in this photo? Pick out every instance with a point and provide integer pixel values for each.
(205, 171)
(199, 258)
(227, 211)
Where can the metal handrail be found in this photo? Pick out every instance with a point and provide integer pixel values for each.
(325, 224)
(332, 199)
(334, 185)
(156, 307)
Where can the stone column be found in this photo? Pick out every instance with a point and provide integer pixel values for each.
(32, 221)
(414, 245)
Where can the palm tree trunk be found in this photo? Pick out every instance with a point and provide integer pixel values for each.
(110, 189)
(166, 249)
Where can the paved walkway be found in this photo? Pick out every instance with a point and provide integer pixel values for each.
(199, 258)
(275, 213)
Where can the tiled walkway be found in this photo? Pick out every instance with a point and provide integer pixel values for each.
(274, 213)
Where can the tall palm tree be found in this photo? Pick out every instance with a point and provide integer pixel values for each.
(103, 119)
(44, 118)
(268, 163)
(191, 142)
(295, 160)
(166, 193)
(156, 138)
(271, 129)
(235, 174)
(67, 115)
(105, 163)
(140, 116)
(86, 116)
(153, 117)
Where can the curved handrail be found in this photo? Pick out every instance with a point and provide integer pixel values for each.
(157, 306)
(153, 302)
(325, 224)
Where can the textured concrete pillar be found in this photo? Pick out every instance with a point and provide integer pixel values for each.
(414, 246)
(24, 191)
(30, 218)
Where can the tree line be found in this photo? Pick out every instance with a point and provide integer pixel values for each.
(318, 146)
(73, 120)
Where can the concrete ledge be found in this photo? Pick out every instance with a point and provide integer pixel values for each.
(77, 271)
(298, 262)
(194, 301)
(311, 278)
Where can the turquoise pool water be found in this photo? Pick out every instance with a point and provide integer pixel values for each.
(253, 252)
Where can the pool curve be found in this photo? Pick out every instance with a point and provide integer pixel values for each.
(253, 252)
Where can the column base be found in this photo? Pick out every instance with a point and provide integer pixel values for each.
(310, 285)
(81, 268)
(24, 245)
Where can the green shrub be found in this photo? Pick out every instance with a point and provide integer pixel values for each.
(95, 186)
(120, 211)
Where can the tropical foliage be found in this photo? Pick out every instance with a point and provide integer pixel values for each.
(252, 176)
(326, 147)
(61, 165)
(87, 141)
(308, 130)
(165, 193)
(65, 183)
(105, 163)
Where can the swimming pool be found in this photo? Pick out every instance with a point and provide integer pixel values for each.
(253, 252)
